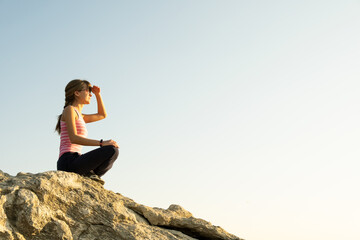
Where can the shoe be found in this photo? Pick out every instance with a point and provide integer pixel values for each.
(96, 178)
(93, 176)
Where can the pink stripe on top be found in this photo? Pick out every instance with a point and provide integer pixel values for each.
(65, 144)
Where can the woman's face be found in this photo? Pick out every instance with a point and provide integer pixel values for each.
(84, 95)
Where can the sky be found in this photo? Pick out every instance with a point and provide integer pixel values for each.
(243, 112)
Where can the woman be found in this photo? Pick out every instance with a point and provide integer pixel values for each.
(73, 133)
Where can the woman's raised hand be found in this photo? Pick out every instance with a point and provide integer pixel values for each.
(111, 143)
(95, 89)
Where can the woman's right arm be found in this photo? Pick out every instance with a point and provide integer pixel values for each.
(69, 117)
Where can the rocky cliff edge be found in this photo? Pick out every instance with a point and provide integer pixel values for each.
(60, 205)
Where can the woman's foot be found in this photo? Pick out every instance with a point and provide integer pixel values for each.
(93, 176)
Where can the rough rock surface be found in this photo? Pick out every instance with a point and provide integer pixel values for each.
(60, 205)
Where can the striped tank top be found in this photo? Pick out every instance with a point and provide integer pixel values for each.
(65, 144)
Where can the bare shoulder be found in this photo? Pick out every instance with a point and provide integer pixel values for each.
(67, 112)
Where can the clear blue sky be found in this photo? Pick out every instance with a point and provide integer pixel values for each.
(246, 113)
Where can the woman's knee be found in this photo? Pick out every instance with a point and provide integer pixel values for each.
(113, 151)
(116, 153)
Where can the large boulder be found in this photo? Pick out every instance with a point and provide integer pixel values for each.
(61, 205)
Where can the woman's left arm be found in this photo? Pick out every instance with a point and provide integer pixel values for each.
(101, 114)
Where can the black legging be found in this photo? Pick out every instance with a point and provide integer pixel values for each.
(99, 160)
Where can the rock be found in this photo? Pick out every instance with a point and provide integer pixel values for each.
(61, 205)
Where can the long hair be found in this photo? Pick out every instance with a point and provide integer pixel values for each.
(70, 89)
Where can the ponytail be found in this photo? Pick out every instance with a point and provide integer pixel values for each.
(58, 125)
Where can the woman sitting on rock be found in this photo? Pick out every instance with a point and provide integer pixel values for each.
(73, 134)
